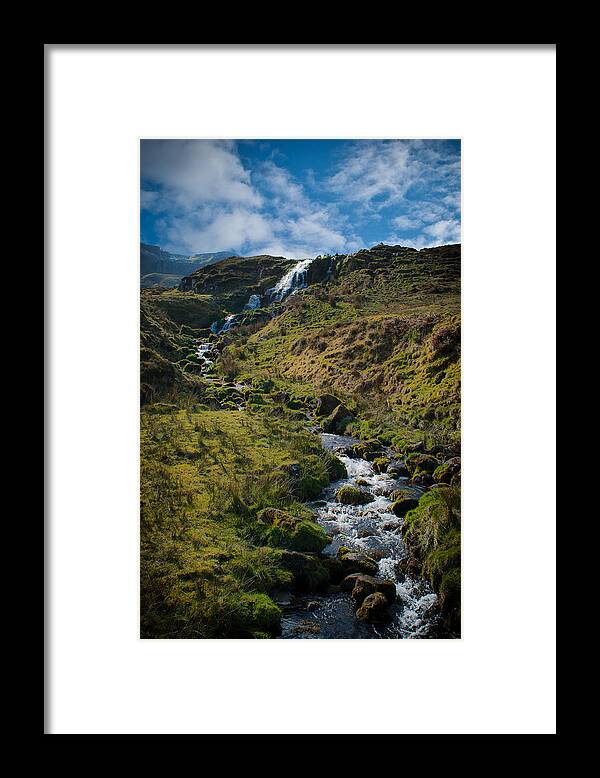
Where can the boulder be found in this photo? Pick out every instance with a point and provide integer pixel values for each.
(351, 495)
(326, 404)
(355, 562)
(374, 609)
(380, 464)
(403, 505)
(421, 462)
(369, 450)
(364, 585)
(308, 571)
(334, 567)
(336, 469)
(422, 479)
(397, 469)
(338, 420)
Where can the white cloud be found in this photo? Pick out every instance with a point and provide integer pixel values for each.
(445, 231)
(190, 172)
(381, 174)
(206, 200)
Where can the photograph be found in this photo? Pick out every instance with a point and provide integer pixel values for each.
(300, 424)
(300, 344)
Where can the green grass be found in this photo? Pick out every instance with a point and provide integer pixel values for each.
(205, 477)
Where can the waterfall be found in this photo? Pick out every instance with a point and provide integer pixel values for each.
(253, 303)
(293, 280)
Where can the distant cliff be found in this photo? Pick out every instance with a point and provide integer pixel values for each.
(159, 267)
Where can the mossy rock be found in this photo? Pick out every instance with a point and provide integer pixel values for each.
(449, 599)
(335, 467)
(403, 505)
(374, 609)
(257, 612)
(397, 469)
(380, 464)
(334, 567)
(338, 420)
(350, 495)
(309, 572)
(355, 562)
(369, 450)
(364, 585)
(421, 463)
(326, 404)
(422, 478)
(286, 531)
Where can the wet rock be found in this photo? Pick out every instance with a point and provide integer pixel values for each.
(306, 627)
(354, 562)
(365, 533)
(380, 464)
(351, 495)
(401, 506)
(397, 469)
(391, 526)
(369, 450)
(374, 609)
(313, 605)
(338, 420)
(281, 597)
(422, 479)
(364, 585)
(308, 571)
(326, 404)
(349, 582)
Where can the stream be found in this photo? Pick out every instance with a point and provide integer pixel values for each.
(371, 529)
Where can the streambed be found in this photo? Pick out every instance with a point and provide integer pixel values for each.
(372, 529)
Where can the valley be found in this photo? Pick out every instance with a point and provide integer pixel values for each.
(300, 429)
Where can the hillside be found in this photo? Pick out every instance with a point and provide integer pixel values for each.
(365, 345)
(162, 268)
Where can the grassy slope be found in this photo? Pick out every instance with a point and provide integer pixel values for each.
(382, 333)
(385, 333)
(205, 476)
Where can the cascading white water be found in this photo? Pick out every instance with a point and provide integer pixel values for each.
(372, 529)
(293, 280)
(253, 303)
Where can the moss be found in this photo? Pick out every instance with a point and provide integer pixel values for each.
(336, 469)
(432, 533)
(369, 450)
(309, 573)
(419, 463)
(257, 612)
(402, 505)
(380, 464)
(449, 593)
(442, 474)
(350, 495)
(294, 534)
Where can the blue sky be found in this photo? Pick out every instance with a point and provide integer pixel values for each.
(298, 198)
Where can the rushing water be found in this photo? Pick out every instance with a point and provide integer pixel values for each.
(293, 280)
(372, 529)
